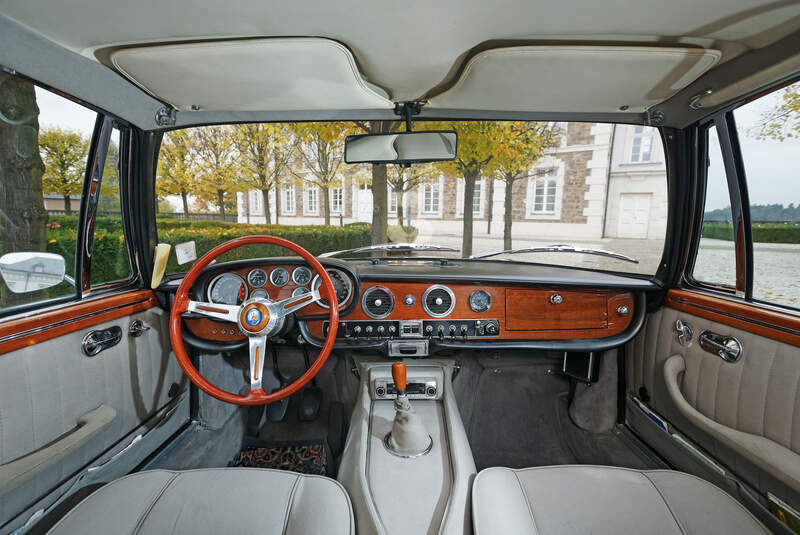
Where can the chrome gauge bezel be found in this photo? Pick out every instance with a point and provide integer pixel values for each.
(364, 302)
(277, 269)
(347, 280)
(259, 291)
(301, 269)
(300, 290)
(226, 274)
(425, 300)
(488, 305)
(257, 270)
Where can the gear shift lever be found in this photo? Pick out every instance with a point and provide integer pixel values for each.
(408, 437)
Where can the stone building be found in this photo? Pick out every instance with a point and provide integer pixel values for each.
(603, 180)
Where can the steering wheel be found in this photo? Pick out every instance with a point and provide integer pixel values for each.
(259, 318)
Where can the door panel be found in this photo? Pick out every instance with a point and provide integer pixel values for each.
(745, 414)
(47, 386)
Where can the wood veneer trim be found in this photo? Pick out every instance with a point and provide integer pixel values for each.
(782, 327)
(38, 327)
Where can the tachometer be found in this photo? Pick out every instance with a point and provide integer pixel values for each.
(279, 277)
(341, 284)
(257, 278)
(301, 275)
(227, 289)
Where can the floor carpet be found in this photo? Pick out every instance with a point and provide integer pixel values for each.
(309, 457)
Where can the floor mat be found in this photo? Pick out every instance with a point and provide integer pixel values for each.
(310, 457)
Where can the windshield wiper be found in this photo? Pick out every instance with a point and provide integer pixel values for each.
(395, 247)
(561, 248)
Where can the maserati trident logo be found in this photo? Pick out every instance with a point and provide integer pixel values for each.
(253, 317)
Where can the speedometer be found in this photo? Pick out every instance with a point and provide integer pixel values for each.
(227, 289)
(341, 284)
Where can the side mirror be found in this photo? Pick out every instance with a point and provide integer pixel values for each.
(406, 147)
(29, 272)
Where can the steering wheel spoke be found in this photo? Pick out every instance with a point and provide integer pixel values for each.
(284, 307)
(213, 310)
(258, 351)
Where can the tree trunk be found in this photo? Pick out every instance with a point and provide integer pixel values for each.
(490, 200)
(508, 215)
(399, 193)
(67, 205)
(469, 194)
(267, 213)
(185, 201)
(326, 206)
(277, 202)
(221, 202)
(22, 227)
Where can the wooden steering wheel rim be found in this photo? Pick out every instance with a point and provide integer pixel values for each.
(179, 306)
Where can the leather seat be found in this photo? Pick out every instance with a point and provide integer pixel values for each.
(221, 500)
(601, 500)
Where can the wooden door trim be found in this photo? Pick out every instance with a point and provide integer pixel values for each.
(773, 324)
(45, 325)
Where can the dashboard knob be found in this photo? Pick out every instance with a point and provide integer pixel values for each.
(438, 301)
(378, 302)
(491, 328)
(463, 329)
(452, 329)
(429, 329)
(368, 330)
(556, 299)
(357, 330)
(408, 300)
(392, 329)
(380, 330)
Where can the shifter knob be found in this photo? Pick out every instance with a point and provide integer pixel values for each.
(399, 376)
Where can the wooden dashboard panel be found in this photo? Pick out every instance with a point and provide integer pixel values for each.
(523, 313)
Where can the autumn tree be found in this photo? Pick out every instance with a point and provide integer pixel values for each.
(406, 178)
(319, 151)
(64, 153)
(380, 202)
(214, 152)
(783, 122)
(176, 171)
(265, 154)
(519, 145)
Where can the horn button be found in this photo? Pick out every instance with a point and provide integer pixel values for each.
(255, 318)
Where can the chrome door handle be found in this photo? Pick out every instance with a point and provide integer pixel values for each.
(96, 341)
(727, 348)
(684, 332)
(138, 328)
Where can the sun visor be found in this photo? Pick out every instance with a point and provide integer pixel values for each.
(250, 75)
(574, 78)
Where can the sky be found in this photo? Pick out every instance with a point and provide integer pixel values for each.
(772, 167)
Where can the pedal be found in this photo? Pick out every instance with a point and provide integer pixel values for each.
(309, 404)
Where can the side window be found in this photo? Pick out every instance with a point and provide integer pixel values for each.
(110, 259)
(768, 129)
(44, 144)
(715, 262)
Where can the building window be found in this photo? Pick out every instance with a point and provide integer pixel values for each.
(256, 202)
(288, 206)
(337, 200)
(642, 144)
(432, 198)
(392, 202)
(311, 201)
(477, 198)
(545, 187)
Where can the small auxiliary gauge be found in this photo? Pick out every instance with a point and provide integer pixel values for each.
(279, 277)
(480, 301)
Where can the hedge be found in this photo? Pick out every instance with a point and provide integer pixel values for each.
(762, 232)
(111, 262)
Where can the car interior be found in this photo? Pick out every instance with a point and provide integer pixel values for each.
(257, 272)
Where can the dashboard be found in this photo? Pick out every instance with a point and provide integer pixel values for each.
(415, 308)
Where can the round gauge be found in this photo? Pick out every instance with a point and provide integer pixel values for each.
(341, 284)
(260, 293)
(257, 278)
(480, 301)
(279, 277)
(227, 289)
(300, 291)
(301, 275)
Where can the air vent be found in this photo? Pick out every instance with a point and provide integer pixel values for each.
(438, 301)
(378, 302)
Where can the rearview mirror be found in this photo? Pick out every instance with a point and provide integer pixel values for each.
(29, 272)
(405, 147)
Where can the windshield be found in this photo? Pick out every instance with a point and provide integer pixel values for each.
(588, 195)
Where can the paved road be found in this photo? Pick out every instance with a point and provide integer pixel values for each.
(776, 273)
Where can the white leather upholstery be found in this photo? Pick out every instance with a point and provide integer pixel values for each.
(221, 500)
(602, 500)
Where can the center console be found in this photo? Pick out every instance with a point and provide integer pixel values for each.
(391, 493)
